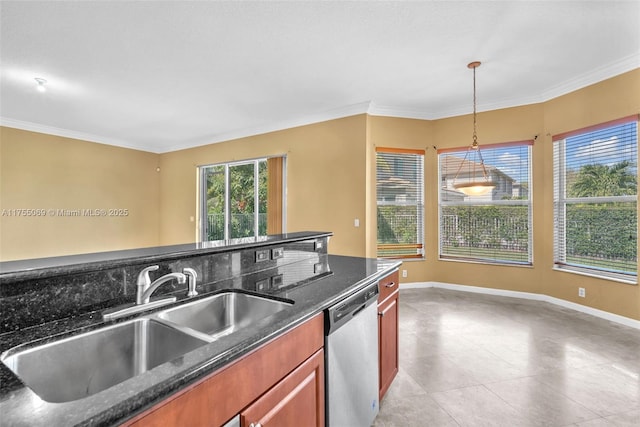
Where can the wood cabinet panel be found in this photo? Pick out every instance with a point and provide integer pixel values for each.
(388, 330)
(215, 399)
(297, 400)
(388, 285)
(388, 342)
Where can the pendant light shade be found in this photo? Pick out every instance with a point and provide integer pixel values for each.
(475, 186)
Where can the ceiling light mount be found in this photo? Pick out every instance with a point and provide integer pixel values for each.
(474, 187)
(40, 84)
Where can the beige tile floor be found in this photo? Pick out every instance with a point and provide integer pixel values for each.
(477, 360)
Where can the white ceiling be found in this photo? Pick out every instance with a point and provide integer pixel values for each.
(161, 76)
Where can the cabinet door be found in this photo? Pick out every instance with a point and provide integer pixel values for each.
(388, 341)
(297, 400)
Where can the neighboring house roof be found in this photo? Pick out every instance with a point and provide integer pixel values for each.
(394, 182)
(468, 168)
(393, 186)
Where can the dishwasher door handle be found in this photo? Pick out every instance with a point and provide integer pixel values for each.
(358, 310)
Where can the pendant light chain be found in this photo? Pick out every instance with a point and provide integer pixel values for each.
(475, 134)
(474, 187)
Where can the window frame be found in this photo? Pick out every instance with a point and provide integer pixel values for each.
(561, 201)
(202, 196)
(420, 209)
(484, 202)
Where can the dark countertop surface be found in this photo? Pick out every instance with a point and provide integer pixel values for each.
(20, 406)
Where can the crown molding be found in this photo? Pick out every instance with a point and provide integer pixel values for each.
(333, 114)
(593, 76)
(390, 111)
(67, 133)
(599, 74)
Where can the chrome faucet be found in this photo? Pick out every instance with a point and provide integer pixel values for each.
(146, 287)
(192, 277)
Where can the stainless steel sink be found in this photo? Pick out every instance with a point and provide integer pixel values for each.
(85, 364)
(222, 314)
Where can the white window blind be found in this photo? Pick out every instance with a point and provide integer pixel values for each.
(400, 202)
(595, 199)
(495, 227)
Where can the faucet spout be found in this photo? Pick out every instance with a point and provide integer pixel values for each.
(144, 292)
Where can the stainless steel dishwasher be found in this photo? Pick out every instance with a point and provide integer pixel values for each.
(351, 360)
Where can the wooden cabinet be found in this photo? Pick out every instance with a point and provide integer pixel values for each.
(388, 330)
(297, 400)
(284, 378)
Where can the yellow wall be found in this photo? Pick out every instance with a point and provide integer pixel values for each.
(607, 100)
(325, 180)
(330, 182)
(39, 171)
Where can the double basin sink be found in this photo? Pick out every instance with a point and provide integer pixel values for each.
(82, 365)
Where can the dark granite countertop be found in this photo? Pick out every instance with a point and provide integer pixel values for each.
(20, 406)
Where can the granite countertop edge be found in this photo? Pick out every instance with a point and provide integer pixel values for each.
(117, 404)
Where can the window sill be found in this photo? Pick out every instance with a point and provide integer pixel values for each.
(402, 259)
(486, 262)
(597, 274)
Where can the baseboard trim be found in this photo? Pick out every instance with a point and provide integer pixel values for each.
(528, 295)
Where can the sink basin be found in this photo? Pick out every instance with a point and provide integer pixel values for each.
(82, 365)
(222, 314)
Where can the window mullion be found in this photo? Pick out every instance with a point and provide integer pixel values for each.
(256, 210)
(227, 203)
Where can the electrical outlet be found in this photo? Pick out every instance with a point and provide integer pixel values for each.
(582, 292)
(404, 273)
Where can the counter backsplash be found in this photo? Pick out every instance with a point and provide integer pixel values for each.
(33, 298)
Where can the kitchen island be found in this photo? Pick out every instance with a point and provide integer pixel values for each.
(302, 273)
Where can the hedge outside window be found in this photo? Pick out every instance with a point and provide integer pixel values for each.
(595, 200)
(400, 202)
(495, 227)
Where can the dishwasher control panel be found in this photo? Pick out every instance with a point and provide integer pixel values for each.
(351, 306)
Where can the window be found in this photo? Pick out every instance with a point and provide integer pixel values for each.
(242, 199)
(495, 227)
(400, 202)
(595, 200)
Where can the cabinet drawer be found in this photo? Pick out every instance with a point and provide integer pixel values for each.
(388, 285)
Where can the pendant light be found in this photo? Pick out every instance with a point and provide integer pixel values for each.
(473, 157)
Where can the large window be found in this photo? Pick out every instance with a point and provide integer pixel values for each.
(495, 227)
(400, 202)
(595, 200)
(242, 199)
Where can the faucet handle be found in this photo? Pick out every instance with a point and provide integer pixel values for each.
(143, 276)
(192, 276)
